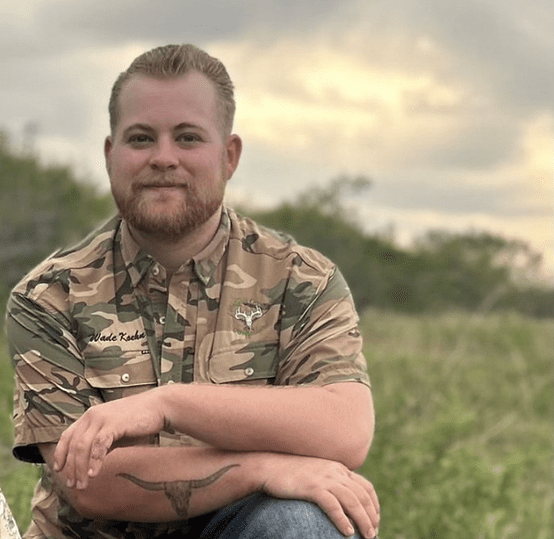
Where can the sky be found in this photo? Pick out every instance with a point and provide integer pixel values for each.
(445, 106)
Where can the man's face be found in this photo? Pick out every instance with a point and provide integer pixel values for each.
(168, 160)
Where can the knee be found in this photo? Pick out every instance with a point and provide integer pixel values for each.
(287, 519)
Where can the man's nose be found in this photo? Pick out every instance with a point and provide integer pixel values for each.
(164, 156)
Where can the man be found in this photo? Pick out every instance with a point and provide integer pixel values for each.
(184, 372)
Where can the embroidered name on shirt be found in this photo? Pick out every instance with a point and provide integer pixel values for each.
(121, 336)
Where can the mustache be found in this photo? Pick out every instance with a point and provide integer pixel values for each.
(160, 181)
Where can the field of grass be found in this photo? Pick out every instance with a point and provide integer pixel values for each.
(463, 444)
(464, 437)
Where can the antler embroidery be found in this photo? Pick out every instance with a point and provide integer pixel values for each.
(248, 318)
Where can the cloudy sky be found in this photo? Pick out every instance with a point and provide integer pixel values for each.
(446, 105)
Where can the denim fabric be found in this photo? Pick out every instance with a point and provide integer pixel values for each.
(262, 517)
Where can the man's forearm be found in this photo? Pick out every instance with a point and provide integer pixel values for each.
(163, 484)
(333, 422)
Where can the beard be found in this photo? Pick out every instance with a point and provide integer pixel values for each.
(178, 219)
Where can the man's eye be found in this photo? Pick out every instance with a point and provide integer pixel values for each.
(139, 139)
(189, 138)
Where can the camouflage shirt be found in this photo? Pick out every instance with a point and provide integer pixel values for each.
(102, 321)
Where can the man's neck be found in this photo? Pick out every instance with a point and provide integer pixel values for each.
(172, 254)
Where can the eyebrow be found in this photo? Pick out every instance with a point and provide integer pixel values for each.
(186, 125)
(139, 127)
(150, 129)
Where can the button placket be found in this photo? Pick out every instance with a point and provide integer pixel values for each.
(173, 330)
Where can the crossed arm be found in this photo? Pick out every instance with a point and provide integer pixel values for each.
(289, 442)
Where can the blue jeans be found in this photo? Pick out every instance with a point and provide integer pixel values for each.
(262, 517)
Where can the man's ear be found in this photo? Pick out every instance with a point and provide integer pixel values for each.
(233, 152)
(108, 145)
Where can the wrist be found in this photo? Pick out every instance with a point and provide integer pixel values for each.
(164, 403)
(259, 468)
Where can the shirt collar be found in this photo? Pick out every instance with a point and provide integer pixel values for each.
(207, 260)
(138, 262)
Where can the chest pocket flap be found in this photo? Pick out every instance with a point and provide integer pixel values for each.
(256, 363)
(126, 370)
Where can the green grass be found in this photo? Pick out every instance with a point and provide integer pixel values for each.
(17, 479)
(463, 444)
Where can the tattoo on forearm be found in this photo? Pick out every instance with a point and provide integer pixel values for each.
(179, 492)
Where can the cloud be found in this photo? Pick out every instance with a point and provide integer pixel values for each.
(445, 105)
(446, 147)
(307, 97)
(175, 21)
(506, 45)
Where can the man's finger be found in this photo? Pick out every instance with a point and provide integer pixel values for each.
(89, 448)
(370, 489)
(100, 448)
(60, 453)
(353, 500)
(329, 504)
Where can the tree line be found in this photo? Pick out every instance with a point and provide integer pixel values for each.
(42, 208)
(473, 271)
(45, 207)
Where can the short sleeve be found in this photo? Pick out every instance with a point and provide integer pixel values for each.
(51, 391)
(325, 345)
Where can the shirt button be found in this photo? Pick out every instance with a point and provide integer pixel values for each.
(155, 271)
(249, 371)
(162, 319)
(125, 377)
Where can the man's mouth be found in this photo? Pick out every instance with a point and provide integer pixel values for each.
(160, 186)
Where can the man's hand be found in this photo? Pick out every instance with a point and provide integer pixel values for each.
(339, 492)
(84, 445)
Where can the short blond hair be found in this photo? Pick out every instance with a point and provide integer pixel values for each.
(173, 61)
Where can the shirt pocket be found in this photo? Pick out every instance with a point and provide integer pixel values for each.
(251, 364)
(121, 375)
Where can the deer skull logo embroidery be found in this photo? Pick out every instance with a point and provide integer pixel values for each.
(247, 313)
